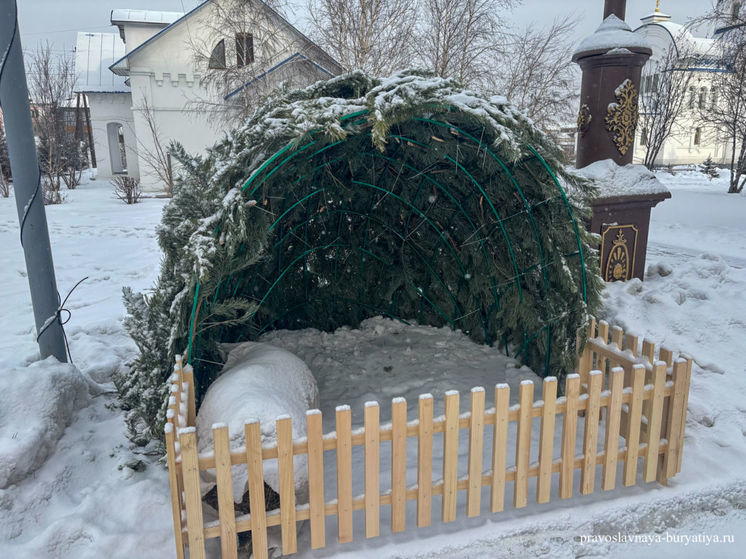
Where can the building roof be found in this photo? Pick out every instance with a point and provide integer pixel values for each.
(144, 16)
(296, 56)
(681, 36)
(94, 53)
(121, 66)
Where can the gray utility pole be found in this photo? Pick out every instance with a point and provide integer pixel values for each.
(14, 101)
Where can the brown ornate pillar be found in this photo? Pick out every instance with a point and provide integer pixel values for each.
(611, 60)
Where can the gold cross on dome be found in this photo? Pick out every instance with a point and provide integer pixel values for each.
(657, 5)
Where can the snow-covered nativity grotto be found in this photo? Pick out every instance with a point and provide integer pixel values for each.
(335, 272)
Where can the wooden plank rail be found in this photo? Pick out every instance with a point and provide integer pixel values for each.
(621, 390)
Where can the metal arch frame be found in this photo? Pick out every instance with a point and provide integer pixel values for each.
(301, 149)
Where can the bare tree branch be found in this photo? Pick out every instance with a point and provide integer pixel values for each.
(536, 73)
(376, 36)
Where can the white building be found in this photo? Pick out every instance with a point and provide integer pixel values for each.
(145, 85)
(692, 141)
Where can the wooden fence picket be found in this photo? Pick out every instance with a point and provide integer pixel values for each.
(372, 421)
(316, 505)
(500, 446)
(634, 427)
(613, 419)
(253, 433)
(173, 481)
(425, 460)
(226, 510)
(546, 443)
(476, 437)
(450, 457)
(523, 443)
(590, 433)
(286, 471)
(193, 500)
(569, 432)
(674, 424)
(655, 420)
(344, 474)
(398, 464)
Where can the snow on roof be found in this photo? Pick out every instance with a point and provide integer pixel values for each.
(613, 33)
(144, 16)
(94, 53)
(613, 180)
(682, 37)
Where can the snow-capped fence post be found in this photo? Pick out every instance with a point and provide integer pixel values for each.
(628, 401)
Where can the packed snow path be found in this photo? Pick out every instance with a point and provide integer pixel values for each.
(92, 498)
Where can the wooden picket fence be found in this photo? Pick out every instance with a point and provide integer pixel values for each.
(644, 398)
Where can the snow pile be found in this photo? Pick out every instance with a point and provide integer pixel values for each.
(612, 34)
(37, 403)
(613, 180)
(259, 382)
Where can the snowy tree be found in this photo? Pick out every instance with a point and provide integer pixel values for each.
(663, 100)
(709, 168)
(155, 153)
(51, 80)
(376, 36)
(534, 72)
(458, 38)
(727, 115)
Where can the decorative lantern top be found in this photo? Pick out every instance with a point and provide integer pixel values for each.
(612, 35)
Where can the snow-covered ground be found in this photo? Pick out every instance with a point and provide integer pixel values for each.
(76, 487)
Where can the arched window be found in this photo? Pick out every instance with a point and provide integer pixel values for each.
(244, 49)
(713, 99)
(692, 95)
(117, 151)
(702, 97)
(217, 56)
(644, 137)
(697, 136)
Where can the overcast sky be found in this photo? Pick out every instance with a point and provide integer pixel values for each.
(58, 20)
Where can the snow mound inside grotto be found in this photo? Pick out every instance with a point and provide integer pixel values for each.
(385, 359)
(259, 382)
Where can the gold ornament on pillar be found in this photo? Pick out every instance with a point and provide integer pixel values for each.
(584, 119)
(621, 117)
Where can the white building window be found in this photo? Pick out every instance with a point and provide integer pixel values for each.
(697, 136)
(217, 56)
(692, 96)
(244, 49)
(703, 98)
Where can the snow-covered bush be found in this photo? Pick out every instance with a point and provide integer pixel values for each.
(709, 168)
(127, 189)
(259, 382)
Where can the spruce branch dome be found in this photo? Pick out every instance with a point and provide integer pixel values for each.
(408, 197)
